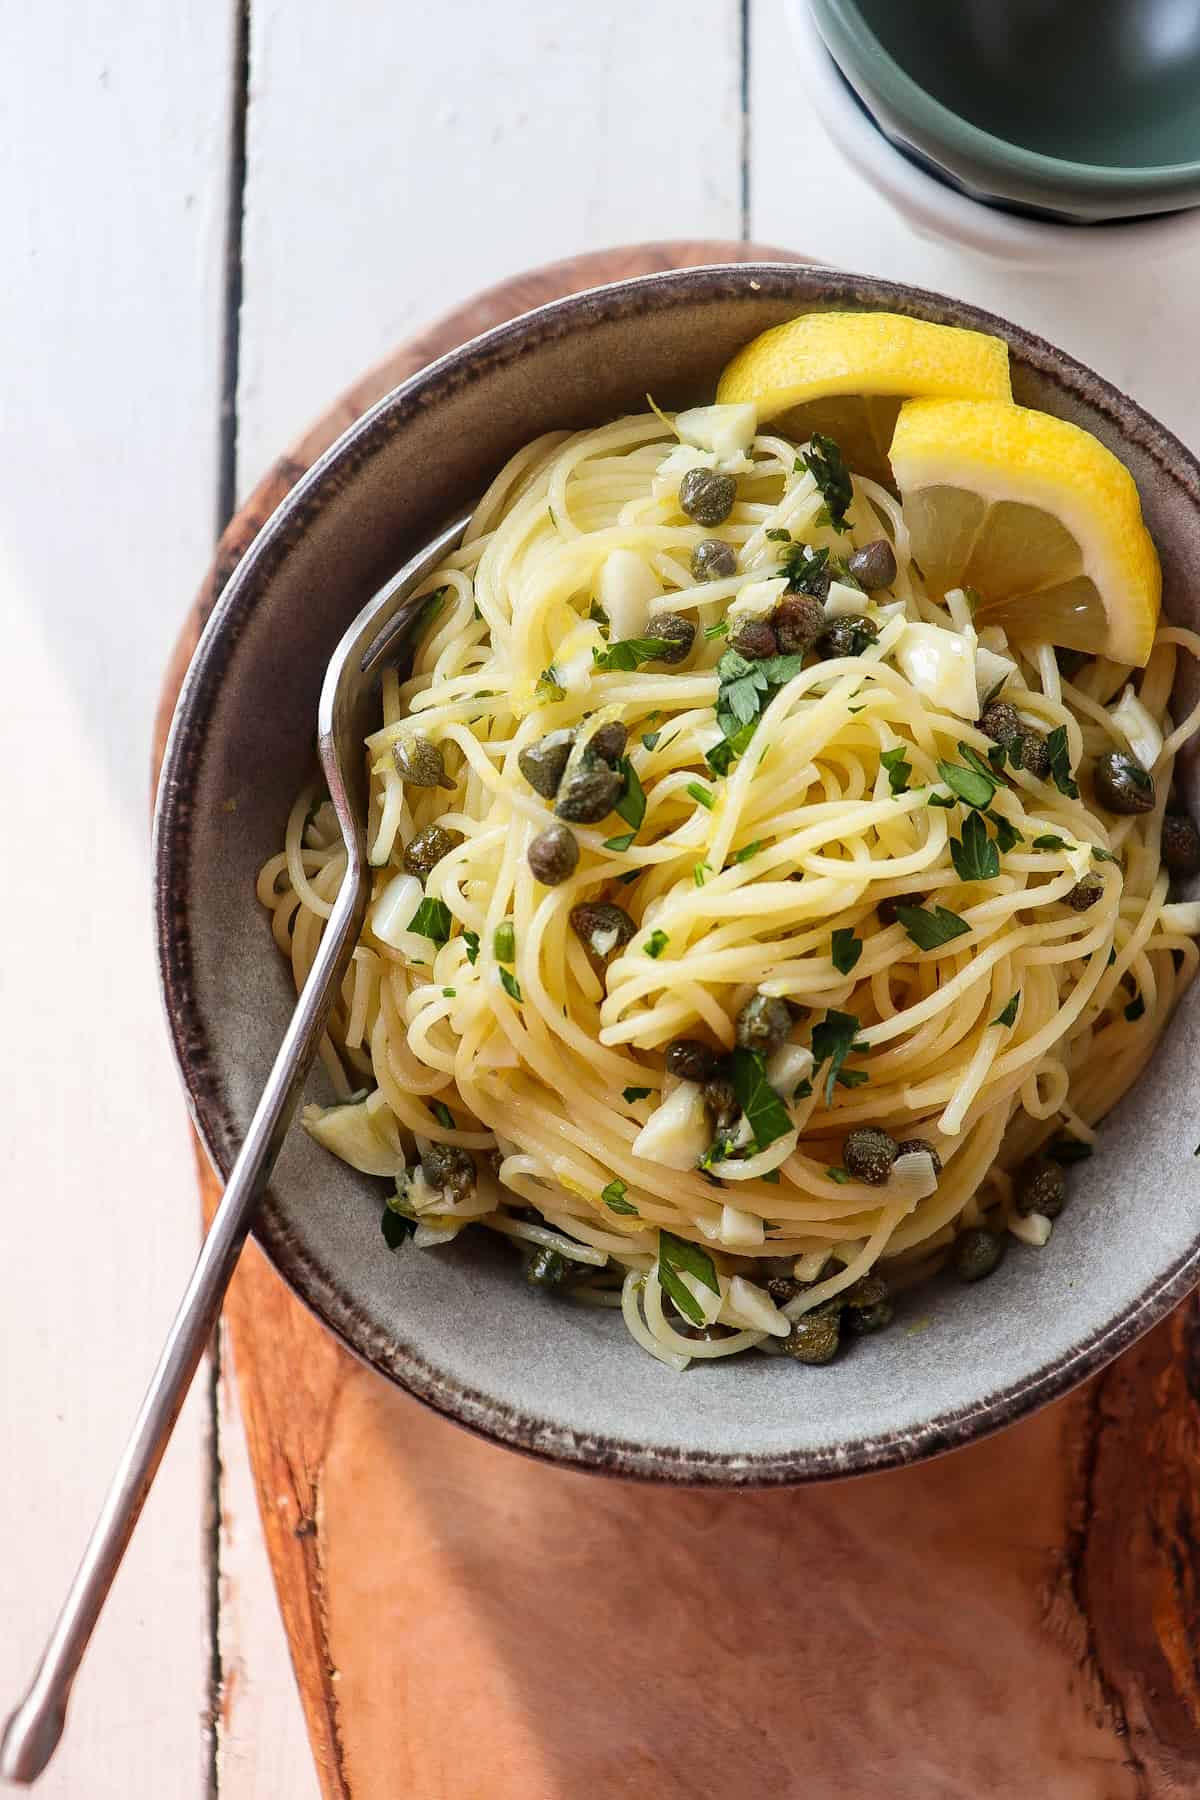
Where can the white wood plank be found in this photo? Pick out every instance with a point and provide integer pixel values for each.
(263, 1751)
(401, 158)
(112, 177)
(804, 194)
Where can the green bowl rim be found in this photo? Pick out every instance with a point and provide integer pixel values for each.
(910, 100)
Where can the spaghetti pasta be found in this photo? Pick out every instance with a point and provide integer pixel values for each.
(972, 954)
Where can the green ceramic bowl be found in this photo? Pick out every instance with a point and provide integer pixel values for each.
(1073, 109)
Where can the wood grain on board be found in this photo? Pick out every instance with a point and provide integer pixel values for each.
(1018, 1619)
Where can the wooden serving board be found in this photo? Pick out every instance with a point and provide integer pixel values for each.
(1019, 1619)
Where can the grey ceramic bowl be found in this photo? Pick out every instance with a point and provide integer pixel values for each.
(458, 1327)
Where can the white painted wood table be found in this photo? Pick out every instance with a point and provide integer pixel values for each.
(217, 216)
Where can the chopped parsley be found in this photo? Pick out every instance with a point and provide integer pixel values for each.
(777, 535)
(1099, 855)
(1060, 763)
(442, 1114)
(941, 800)
(898, 770)
(703, 794)
(721, 755)
(614, 1194)
(825, 464)
(504, 942)
(1135, 1009)
(1007, 835)
(510, 984)
(772, 1175)
(650, 739)
(1048, 841)
(846, 950)
(620, 843)
(747, 851)
(432, 920)
(974, 855)
(700, 871)
(806, 570)
(676, 1257)
(396, 1226)
(832, 1041)
(655, 944)
(970, 785)
(627, 653)
(1009, 1015)
(742, 687)
(841, 1176)
(449, 993)
(629, 1095)
(929, 929)
(801, 1091)
(716, 631)
(765, 1113)
(632, 803)
(548, 688)
(471, 940)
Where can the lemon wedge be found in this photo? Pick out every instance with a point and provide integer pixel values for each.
(846, 373)
(1036, 515)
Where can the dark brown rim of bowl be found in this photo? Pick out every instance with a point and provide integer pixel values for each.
(336, 1308)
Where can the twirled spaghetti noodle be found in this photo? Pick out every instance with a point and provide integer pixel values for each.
(514, 1041)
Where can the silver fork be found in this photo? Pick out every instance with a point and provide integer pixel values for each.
(345, 715)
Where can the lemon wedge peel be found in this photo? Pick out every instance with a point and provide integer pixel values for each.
(1010, 454)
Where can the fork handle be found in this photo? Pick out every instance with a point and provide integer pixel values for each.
(33, 1730)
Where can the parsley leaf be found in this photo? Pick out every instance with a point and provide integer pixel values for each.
(432, 920)
(968, 784)
(704, 795)
(656, 943)
(510, 984)
(898, 770)
(846, 950)
(929, 929)
(1060, 763)
(747, 851)
(717, 630)
(629, 1095)
(442, 1114)
(632, 804)
(974, 855)
(974, 761)
(766, 1115)
(620, 843)
(805, 570)
(677, 1257)
(772, 1175)
(548, 689)
(1099, 855)
(741, 684)
(941, 800)
(823, 460)
(777, 535)
(471, 940)
(1007, 835)
(852, 1078)
(1048, 841)
(627, 653)
(613, 1197)
(395, 1227)
(721, 755)
(833, 1040)
(801, 1091)
(699, 871)
(1008, 1016)
(650, 739)
(996, 756)
(841, 1176)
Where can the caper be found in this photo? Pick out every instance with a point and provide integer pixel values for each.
(690, 1059)
(763, 1024)
(706, 496)
(677, 633)
(1030, 751)
(601, 928)
(1122, 785)
(977, 1253)
(865, 1319)
(755, 640)
(419, 761)
(722, 1102)
(1179, 845)
(1084, 894)
(815, 1335)
(1040, 1187)
(449, 1169)
(868, 1290)
(888, 908)
(798, 622)
(553, 855)
(1070, 662)
(1001, 722)
(608, 742)
(589, 793)
(907, 1147)
(868, 1154)
(783, 1288)
(546, 1268)
(428, 848)
(713, 559)
(848, 636)
(874, 566)
(542, 764)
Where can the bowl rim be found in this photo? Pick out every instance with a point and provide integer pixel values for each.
(914, 104)
(318, 1287)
